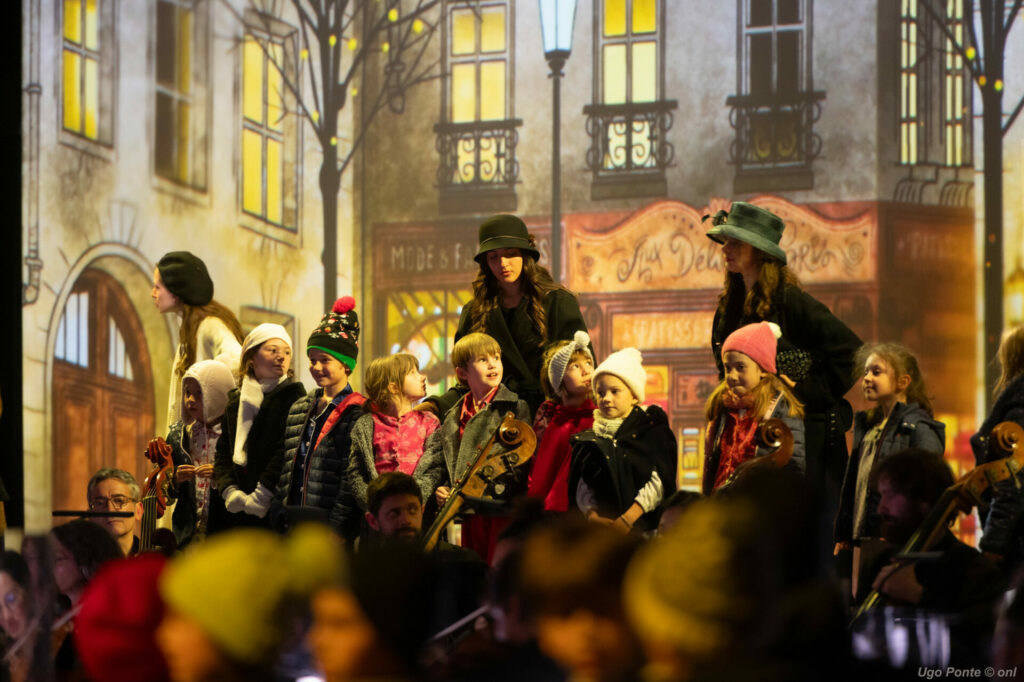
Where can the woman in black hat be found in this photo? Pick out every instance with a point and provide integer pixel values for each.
(516, 301)
(816, 351)
(208, 331)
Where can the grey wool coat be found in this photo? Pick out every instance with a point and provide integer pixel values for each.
(361, 466)
(447, 457)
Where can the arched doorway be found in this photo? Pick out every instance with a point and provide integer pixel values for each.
(103, 411)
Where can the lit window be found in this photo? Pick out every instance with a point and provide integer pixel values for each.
(269, 129)
(83, 58)
(181, 76)
(954, 103)
(909, 57)
(119, 363)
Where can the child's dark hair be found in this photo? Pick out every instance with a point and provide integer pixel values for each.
(191, 317)
(903, 363)
(386, 485)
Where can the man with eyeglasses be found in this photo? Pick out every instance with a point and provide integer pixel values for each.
(117, 490)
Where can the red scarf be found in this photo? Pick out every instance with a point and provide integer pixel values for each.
(737, 444)
(550, 477)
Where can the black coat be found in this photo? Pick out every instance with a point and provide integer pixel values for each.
(817, 352)
(521, 347)
(265, 451)
(1004, 530)
(909, 426)
(326, 486)
(617, 468)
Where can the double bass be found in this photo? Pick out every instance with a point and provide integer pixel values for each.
(1006, 442)
(772, 434)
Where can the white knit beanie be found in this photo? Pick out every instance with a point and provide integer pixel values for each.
(627, 365)
(264, 332)
(560, 359)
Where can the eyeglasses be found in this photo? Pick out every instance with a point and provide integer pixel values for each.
(115, 502)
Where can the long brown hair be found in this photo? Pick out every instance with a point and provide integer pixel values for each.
(535, 283)
(1011, 358)
(383, 372)
(764, 393)
(903, 363)
(758, 301)
(191, 317)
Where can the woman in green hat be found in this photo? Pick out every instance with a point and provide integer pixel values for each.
(516, 301)
(816, 351)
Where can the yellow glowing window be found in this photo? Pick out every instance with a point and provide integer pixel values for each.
(645, 19)
(252, 171)
(275, 90)
(252, 81)
(492, 29)
(81, 78)
(463, 32)
(644, 72)
(614, 74)
(478, 65)
(463, 93)
(492, 86)
(614, 18)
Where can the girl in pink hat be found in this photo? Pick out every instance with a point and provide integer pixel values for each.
(750, 393)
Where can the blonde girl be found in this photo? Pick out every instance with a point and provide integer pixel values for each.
(750, 393)
(1002, 539)
(391, 436)
(901, 417)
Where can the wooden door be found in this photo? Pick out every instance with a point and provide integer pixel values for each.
(103, 410)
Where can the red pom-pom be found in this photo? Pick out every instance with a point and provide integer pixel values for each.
(344, 304)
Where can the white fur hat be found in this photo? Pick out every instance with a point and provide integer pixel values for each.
(627, 365)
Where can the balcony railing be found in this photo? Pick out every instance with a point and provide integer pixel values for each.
(478, 156)
(774, 132)
(629, 139)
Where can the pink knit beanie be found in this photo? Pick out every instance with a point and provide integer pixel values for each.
(757, 341)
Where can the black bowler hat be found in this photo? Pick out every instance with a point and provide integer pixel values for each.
(186, 277)
(752, 225)
(505, 231)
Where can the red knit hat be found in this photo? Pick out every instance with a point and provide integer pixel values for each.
(757, 341)
(121, 610)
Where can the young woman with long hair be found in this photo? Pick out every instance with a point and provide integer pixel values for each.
(516, 302)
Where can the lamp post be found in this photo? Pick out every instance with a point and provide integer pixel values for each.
(556, 21)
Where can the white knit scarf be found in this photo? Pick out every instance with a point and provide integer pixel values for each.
(250, 398)
(606, 428)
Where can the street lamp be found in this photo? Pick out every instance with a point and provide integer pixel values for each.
(556, 20)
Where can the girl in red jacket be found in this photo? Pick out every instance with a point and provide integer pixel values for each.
(565, 378)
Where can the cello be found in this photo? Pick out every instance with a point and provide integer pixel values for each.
(1006, 442)
(489, 475)
(158, 492)
(771, 433)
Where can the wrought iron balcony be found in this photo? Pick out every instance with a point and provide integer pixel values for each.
(775, 133)
(477, 158)
(630, 142)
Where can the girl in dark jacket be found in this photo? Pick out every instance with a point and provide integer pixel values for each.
(816, 350)
(1004, 532)
(250, 449)
(515, 302)
(624, 466)
(901, 418)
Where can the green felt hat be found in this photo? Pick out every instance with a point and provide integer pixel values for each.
(752, 225)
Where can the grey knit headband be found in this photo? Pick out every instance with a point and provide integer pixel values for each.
(560, 360)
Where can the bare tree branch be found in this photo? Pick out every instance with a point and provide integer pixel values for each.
(1014, 11)
(1013, 116)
